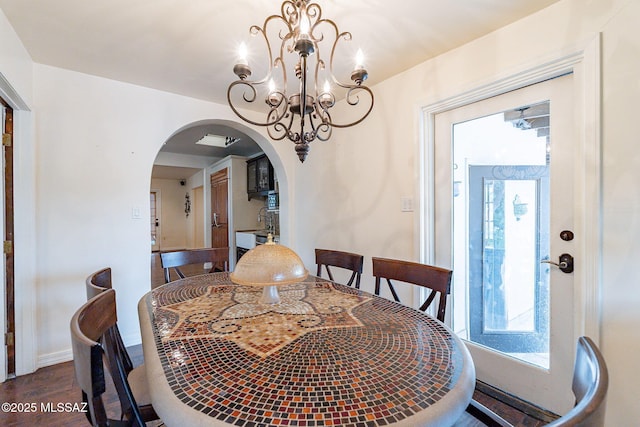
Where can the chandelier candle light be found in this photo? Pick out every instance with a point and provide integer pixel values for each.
(302, 32)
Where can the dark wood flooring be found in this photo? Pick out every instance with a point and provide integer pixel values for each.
(56, 384)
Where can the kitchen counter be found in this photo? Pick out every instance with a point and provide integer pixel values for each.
(248, 239)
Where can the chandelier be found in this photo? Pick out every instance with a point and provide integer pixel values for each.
(300, 112)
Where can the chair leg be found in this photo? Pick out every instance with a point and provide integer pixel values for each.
(393, 291)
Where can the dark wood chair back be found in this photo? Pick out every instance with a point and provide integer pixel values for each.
(346, 260)
(590, 385)
(98, 282)
(92, 324)
(218, 257)
(95, 284)
(437, 279)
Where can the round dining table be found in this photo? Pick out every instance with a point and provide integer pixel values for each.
(325, 355)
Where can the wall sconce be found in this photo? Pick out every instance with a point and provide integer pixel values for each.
(519, 207)
(187, 204)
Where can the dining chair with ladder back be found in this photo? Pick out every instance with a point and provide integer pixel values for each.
(346, 260)
(589, 385)
(92, 335)
(437, 279)
(218, 257)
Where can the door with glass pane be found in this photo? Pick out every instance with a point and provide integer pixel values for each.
(508, 235)
(503, 195)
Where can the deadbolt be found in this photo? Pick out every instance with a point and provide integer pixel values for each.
(566, 235)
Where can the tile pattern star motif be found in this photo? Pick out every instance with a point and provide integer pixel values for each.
(328, 355)
(234, 313)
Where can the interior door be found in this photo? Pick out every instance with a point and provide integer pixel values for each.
(9, 280)
(220, 209)
(154, 225)
(503, 205)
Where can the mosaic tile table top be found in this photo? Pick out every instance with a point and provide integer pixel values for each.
(326, 355)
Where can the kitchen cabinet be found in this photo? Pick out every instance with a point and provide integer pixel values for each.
(260, 176)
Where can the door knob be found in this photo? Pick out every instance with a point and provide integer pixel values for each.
(565, 263)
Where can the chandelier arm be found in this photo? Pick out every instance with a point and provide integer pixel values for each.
(285, 129)
(242, 116)
(281, 128)
(314, 11)
(283, 132)
(366, 89)
(341, 36)
(326, 128)
(319, 66)
(312, 124)
(283, 69)
(289, 9)
(254, 30)
(325, 122)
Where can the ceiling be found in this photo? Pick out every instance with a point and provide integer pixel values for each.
(189, 47)
(184, 142)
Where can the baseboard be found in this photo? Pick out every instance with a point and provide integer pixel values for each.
(132, 339)
(515, 402)
(54, 358)
(49, 359)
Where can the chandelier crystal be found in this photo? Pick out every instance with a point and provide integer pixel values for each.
(300, 112)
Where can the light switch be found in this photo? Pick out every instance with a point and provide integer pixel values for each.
(407, 204)
(135, 213)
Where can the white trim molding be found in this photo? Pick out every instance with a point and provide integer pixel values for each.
(24, 187)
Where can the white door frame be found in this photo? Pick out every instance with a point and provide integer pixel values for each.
(25, 242)
(584, 62)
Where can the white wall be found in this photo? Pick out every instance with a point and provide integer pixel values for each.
(16, 67)
(176, 233)
(95, 152)
(350, 190)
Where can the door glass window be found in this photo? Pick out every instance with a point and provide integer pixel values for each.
(501, 231)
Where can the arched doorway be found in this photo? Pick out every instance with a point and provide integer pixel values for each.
(181, 181)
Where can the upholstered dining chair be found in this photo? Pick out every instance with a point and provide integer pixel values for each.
(590, 384)
(218, 257)
(437, 279)
(93, 328)
(346, 260)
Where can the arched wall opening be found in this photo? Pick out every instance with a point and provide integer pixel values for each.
(200, 168)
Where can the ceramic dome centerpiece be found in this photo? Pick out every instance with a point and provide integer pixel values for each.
(269, 265)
